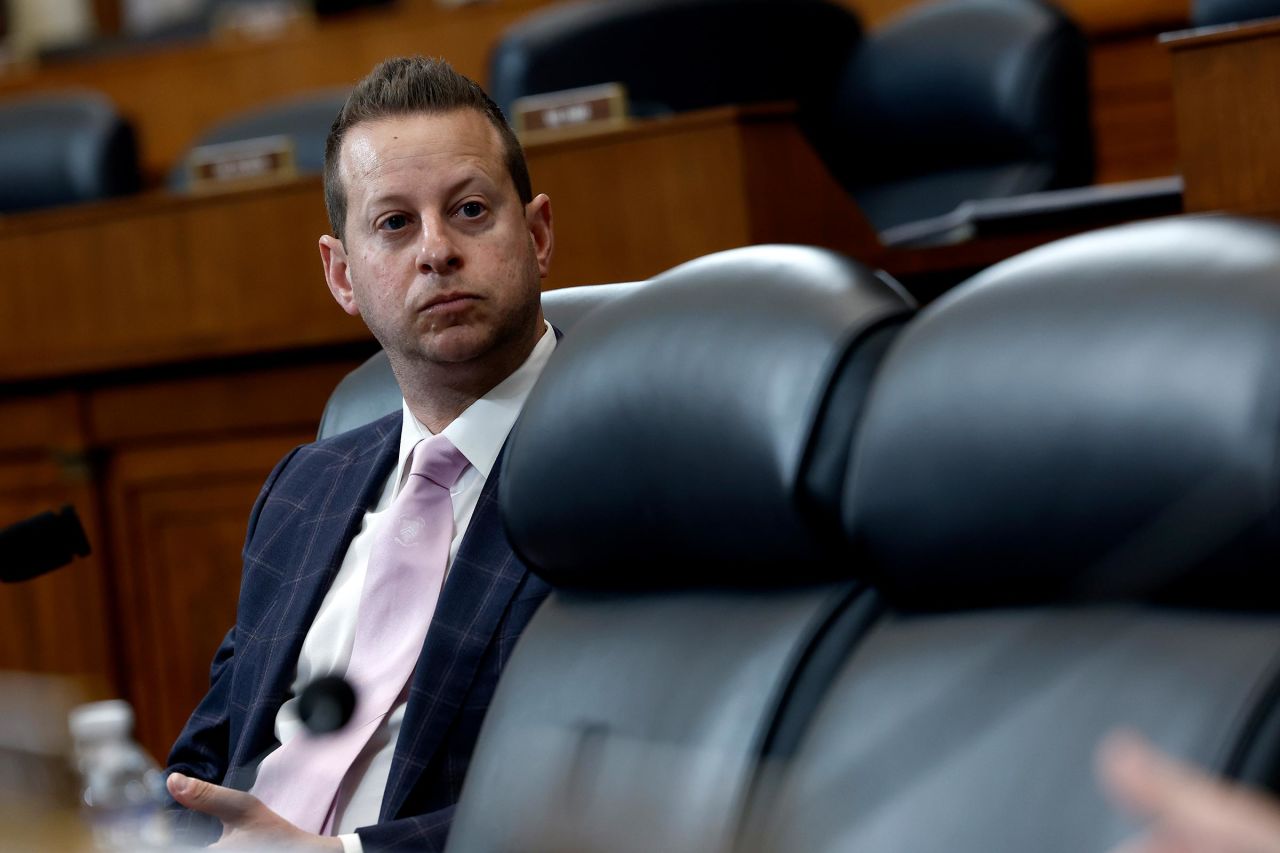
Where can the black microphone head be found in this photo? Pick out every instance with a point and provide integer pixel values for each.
(41, 544)
(326, 704)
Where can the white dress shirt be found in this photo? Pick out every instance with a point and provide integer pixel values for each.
(479, 433)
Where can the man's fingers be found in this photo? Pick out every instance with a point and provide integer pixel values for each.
(1130, 772)
(1186, 806)
(227, 805)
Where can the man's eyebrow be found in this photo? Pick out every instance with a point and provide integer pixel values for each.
(388, 198)
(466, 181)
(400, 198)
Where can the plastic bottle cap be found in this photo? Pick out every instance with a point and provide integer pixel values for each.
(96, 720)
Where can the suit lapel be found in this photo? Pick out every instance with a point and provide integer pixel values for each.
(480, 584)
(341, 486)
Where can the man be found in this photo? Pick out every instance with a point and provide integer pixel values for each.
(439, 245)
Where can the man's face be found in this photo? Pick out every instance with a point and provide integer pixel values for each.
(440, 258)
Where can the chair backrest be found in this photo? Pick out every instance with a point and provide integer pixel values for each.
(64, 148)
(678, 428)
(1055, 513)
(305, 119)
(370, 391)
(1064, 484)
(960, 100)
(1208, 13)
(676, 55)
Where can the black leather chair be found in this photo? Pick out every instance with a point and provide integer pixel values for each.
(305, 119)
(676, 55)
(1064, 484)
(678, 428)
(1056, 501)
(1208, 13)
(960, 100)
(64, 148)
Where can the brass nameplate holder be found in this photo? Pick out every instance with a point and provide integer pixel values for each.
(589, 107)
(245, 163)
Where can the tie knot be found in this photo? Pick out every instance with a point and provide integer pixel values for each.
(438, 460)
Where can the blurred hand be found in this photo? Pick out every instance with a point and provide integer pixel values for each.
(1187, 811)
(246, 822)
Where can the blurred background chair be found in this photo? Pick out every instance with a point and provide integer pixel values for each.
(64, 148)
(954, 101)
(677, 55)
(1062, 484)
(305, 119)
(960, 100)
(1208, 13)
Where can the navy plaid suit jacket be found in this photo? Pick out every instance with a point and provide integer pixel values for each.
(308, 511)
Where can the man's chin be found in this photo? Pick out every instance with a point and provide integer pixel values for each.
(457, 345)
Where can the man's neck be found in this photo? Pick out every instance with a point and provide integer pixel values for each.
(438, 393)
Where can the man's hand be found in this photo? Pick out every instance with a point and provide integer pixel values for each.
(245, 820)
(1188, 811)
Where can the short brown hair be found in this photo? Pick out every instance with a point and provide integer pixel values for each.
(408, 85)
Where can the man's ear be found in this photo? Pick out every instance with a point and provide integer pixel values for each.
(338, 275)
(537, 214)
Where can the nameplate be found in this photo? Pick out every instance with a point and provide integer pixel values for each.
(605, 104)
(240, 164)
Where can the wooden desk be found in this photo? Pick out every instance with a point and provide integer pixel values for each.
(630, 203)
(159, 280)
(163, 279)
(1228, 112)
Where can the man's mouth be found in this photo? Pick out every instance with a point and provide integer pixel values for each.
(446, 302)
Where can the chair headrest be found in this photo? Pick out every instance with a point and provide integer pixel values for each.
(1002, 82)
(62, 148)
(1094, 419)
(764, 50)
(664, 443)
(305, 119)
(1210, 13)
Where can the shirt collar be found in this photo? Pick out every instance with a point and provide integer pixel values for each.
(482, 428)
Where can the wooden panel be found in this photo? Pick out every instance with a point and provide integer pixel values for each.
(1228, 121)
(684, 187)
(57, 623)
(237, 401)
(675, 182)
(173, 94)
(161, 278)
(45, 423)
(792, 198)
(1133, 122)
(179, 515)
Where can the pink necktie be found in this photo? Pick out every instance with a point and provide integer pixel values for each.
(300, 781)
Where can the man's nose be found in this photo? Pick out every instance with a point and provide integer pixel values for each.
(437, 252)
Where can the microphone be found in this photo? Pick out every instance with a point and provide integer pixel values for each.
(326, 704)
(41, 544)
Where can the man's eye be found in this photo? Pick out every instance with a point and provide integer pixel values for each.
(471, 210)
(394, 222)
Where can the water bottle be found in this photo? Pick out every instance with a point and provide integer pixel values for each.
(123, 793)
